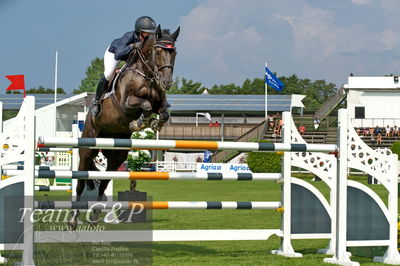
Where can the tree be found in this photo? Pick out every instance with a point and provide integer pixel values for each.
(230, 88)
(43, 90)
(255, 86)
(93, 74)
(38, 90)
(316, 92)
(184, 86)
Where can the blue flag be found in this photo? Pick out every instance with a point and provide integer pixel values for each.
(273, 81)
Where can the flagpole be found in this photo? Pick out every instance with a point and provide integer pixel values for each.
(266, 93)
(55, 94)
(55, 78)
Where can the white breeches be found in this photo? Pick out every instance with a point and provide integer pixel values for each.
(110, 65)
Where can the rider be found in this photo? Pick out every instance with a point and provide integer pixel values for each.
(120, 50)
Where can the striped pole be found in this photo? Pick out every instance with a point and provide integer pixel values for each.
(37, 167)
(53, 188)
(150, 175)
(204, 205)
(51, 149)
(108, 143)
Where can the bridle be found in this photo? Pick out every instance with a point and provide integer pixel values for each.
(164, 44)
(154, 73)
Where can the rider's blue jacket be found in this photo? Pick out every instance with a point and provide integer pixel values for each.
(121, 47)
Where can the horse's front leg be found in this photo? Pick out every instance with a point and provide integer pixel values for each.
(145, 117)
(156, 125)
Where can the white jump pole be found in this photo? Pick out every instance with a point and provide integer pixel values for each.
(286, 248)
(29, 183)
(341, 255)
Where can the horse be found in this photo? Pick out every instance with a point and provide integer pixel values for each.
(139, 91)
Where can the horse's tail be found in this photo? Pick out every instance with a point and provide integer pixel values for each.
(90, 185)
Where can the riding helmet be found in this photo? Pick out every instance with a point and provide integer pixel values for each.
(146, 24)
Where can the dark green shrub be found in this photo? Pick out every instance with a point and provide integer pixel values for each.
(264, 162)
(396, 148)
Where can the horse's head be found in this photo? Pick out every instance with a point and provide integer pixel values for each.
(165, 53)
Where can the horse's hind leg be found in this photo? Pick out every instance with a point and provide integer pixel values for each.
(114, 160)
(85, 164)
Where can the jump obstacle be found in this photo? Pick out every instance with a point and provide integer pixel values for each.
(354, 215)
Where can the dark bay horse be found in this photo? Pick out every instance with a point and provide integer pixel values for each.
(139, 92)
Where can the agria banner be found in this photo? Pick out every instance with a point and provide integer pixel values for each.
(223, 167)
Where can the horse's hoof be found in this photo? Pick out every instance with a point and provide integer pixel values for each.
(154, 125)
(72, 225)
(133, 126)
(93, 219)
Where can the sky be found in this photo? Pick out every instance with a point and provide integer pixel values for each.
(221, 41)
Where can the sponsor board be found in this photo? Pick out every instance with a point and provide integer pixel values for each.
(223, 167)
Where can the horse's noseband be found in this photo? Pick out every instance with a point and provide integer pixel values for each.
(165, 66)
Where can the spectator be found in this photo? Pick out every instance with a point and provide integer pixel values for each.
(372, 138)
(377, 131)
(316, 123)
(302, 129)
(365, 132)
(371, 131)
(388, 131)
(395, 131)
(277, 131)
(379, 139)
(270, 122)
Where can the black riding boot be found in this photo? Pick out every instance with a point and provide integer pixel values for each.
(101, 88)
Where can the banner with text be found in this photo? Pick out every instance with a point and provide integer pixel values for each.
(223, 167)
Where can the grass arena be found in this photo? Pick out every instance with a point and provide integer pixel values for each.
(300, 219)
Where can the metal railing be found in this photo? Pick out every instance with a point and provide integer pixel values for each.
(231, 132)
(255, 134)
(331, 104)
(373, 122)
(172, 166)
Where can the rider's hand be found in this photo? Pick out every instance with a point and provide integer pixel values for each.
(137, 45)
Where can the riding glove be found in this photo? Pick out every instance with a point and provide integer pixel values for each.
(137, 45)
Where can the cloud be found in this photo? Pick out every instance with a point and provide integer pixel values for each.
(313, 31)
(362, 2)
(228, 41)
(317, 34)
(221, 38)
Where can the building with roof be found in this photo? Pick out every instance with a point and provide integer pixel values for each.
(373, 101)
(235, 114)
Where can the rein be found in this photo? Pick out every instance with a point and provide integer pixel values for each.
(154, 76)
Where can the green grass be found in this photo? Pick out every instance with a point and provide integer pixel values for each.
(223, 252)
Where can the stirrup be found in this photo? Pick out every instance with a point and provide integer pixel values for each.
(95, 108)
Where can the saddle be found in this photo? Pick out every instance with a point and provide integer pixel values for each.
(111, 85)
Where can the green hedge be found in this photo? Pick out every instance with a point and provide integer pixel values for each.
(264, 162)
(396, 148)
